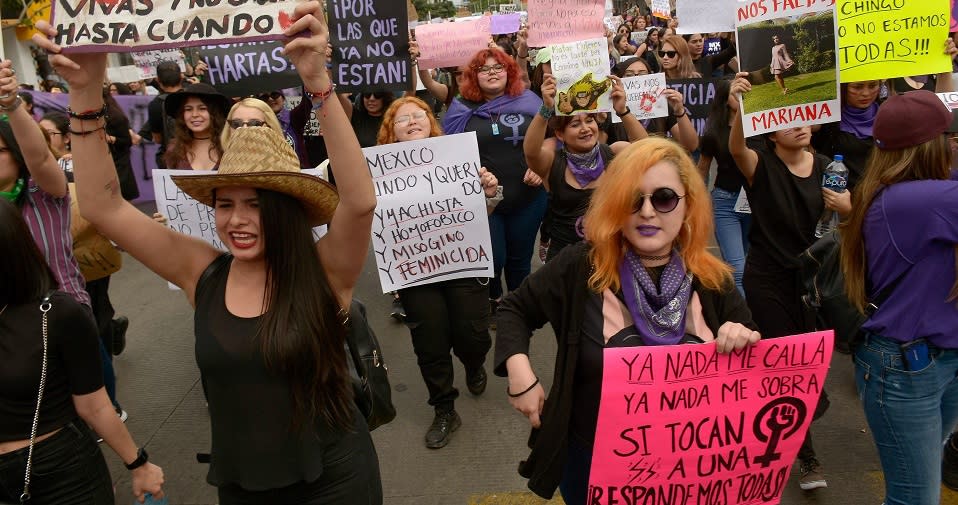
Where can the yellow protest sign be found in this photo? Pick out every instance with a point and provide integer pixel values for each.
(879, 39)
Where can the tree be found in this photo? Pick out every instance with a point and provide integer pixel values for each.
(437, 9)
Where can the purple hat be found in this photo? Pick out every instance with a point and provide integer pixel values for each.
(910, 119)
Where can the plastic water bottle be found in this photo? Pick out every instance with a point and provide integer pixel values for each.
(149, 500)
(835, 179)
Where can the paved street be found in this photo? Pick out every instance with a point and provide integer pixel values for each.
(159, 386)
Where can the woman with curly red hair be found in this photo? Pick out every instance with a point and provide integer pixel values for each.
(495, 103)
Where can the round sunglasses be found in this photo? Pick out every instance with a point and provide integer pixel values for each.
(664, 200)
(239, 123)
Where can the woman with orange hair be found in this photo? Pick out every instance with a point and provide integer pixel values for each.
(450, 315)
(644, 276)
(495, 103)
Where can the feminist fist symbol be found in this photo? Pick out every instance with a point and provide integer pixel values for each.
(782, 418)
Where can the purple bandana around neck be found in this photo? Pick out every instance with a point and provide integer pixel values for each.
(458, 115)
(585, 167)
(858, 122)
(658, 314)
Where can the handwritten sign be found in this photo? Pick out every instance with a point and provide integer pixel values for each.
(581, 70)
(643, 93)
(124, 26)
(892, 39)
(430, 221)
(246, 69)
(661, 9)
(147, 61)
(697, 96)
(504, 23)
(683, 424)
(612, 22)
(706, 16)
(950, 99)
(370, 45)
(452, 44)
(561, 21)
(781, 43)
(638, 38)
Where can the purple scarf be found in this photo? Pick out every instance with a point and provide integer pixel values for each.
(659, 315)
(459, 114)
(858, 122)
(585, 167)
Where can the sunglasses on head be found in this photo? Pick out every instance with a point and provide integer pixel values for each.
(664, 200)
(670, 54)
(240, 123)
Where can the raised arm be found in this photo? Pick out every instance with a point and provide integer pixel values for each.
(40, 162)
(177, 258)
(539, 153)
(522, 56)
(683, 131)
(745, 158)
(633, 128)
(342, 251)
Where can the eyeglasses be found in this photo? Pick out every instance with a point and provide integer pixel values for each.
(633, 73)
(270, 96)
(670, 54)
(664, 200)
(406, 118)
(239, 123)
(53, 133)
(378, 95)
(491, 69)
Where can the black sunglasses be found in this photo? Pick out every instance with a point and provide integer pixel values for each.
(377, 95)
(239, 123)
(670, 54)
(664, 200)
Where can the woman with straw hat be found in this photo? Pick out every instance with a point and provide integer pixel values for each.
(269, 318)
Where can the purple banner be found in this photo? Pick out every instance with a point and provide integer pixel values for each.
(505, 23)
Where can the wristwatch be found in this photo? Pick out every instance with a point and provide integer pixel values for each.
(141, 458)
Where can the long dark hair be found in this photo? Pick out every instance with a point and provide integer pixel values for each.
(176, 155)
(301, 334)
(6, 133)
(717, 126)
(24, 273)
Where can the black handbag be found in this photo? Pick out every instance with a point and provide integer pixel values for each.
(370, 374)
(824, 285)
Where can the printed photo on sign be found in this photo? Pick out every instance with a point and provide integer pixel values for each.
(685, 424)
(370, 45)
(643, 93)
(90, 25)
(581, 70)
(790, 57)
(561, 21)
(452, 44)
(879, 41)
(430, 223)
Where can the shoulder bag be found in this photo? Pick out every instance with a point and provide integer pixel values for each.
(370, 374)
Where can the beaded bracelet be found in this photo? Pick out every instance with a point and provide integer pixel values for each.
(322, 96)
(517, 395)
(546, 112)
(87, 114)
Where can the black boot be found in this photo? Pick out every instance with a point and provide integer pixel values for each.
(442, 427)
(949, 463)
(120, 326)
(476, 381)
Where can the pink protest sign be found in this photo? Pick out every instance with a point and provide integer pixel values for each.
(954, 17)
(561, 21)
(452, 44)
(684, 424)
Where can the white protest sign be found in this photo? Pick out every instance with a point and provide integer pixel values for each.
(706, 16)
(581, 70)
(638, 38)
(146, 61)
(661, 9)
(124, 26)
(126, 73)
(643, 94)
(430, 222)
(612, 22)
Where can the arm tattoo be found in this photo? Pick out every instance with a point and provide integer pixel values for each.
(113, 187)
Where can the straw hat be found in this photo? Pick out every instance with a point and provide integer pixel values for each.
(259, 157)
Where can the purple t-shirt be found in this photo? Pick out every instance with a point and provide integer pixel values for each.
(914, 225)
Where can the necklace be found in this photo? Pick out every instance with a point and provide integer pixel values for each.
(201, 138)
(654, 258)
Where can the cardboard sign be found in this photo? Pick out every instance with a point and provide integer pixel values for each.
(561, 21)
(683, 424)
(789, 87)
(581, 70)
(249, 68)
(430, 222)
(504, 23)
(706, 16)
(697, 96)
(906, 37)
(124, 26)
(452, 44)
(643, 93)
(370, 45)
(147, 61)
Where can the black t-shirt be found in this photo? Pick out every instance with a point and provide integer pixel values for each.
(715, 145)
(73, 365)
(500, 151)
(785, 210)
(567, 203)
(831, 140)
(365, 126)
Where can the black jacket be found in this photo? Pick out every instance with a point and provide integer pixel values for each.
(556, 294)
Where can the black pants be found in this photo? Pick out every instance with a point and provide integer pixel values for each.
(103, 312)
(68, 469)
(449, 315)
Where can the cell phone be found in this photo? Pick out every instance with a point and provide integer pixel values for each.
(915, 355)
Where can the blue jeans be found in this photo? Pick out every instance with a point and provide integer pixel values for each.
(910, 414)
(513, 242)
(731, 232)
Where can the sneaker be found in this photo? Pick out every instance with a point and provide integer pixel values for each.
(120, 326)
(441, 429)
(398, 312)
(813, 477)
(122, 414)
(949, 463)
(476, 381)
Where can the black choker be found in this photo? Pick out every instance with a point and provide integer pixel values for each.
(202, 138)
(654, 258)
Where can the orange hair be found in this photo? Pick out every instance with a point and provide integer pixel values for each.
(612, 204)
(387, 134)
(469, 89)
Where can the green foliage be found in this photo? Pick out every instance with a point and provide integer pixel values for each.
(802, 88)
(11, 9)
(438, 9)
